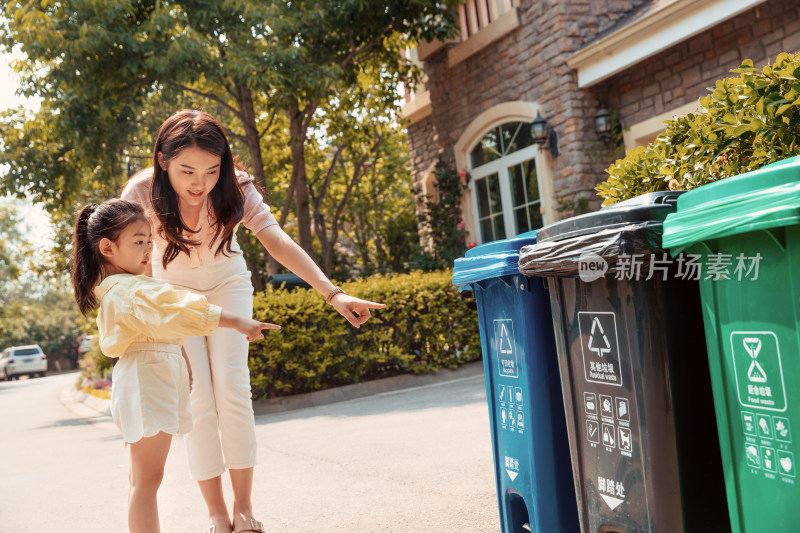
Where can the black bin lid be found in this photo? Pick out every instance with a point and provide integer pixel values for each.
(651, 207)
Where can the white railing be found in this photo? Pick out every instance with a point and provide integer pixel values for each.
(475, 15)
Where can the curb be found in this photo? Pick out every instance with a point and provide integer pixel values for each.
(84, 404)
(90, 406)
(361, 390)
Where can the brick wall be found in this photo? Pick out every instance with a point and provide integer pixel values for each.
(528, 64)
(683, 73)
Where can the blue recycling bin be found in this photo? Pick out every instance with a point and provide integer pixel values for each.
(533, 472)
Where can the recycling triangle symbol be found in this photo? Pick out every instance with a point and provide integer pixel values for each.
(505, 341)
(598, 342)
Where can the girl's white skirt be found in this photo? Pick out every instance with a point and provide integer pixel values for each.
(150, 391)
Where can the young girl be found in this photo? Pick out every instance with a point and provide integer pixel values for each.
(143, 322)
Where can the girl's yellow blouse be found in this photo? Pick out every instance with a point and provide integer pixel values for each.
(142, 309)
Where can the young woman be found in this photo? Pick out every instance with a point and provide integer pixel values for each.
(143, 322)
(196, 198)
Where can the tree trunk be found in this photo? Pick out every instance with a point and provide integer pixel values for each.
(298, 126)
(379, 251)
(245, 99)
(325, 245)
(320, 228)
(252, 265)
(362, 237)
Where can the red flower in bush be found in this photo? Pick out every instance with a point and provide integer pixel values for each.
(472, 245)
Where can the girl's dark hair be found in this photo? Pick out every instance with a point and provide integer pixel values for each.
(182, 130)
(97, 222)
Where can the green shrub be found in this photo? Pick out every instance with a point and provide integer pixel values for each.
(95, 365)
(745, 123)
(426, 325)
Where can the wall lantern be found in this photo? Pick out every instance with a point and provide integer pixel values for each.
(605, 125)
(543, 134)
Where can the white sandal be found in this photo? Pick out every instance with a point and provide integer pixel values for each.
(255, 527)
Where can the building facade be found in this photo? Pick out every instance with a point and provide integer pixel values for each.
(566, 60)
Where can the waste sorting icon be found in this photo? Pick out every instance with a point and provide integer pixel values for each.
(600, 346)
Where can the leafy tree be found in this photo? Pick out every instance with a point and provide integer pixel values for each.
(35, 303)
(50, 321)
(10, 236)
(380, 221)
(258, 65)
(320, 49)
(361, 149)
(747, 121)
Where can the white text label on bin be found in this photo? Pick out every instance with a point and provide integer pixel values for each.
(612, 492)
(758, 369)
(512, 467)
(507, 364)
(600, 347)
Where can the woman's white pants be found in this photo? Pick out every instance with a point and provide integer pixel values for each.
(222, 409)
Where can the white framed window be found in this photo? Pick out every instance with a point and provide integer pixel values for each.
(504, 183)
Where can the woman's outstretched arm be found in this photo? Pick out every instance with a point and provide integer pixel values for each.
(292, 256)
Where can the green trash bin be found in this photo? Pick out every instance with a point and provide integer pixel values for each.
(743, 236)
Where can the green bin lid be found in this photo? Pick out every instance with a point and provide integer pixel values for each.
(765, 198)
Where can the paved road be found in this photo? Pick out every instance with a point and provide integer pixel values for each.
(415, 460)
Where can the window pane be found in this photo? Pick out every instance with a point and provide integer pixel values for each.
(483, 198)
(533, 182)
(521, 214)
(515, 136)
(486, 230)
(535, 215)
(524, 138)
(518, 184)
(490, 209)
(499, 227)
(487, 150)
(496, 202)
(525, 192)
(501, 141)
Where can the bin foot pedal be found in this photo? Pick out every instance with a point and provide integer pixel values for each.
(526, 527)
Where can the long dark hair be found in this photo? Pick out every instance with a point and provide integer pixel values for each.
(97, 222)
(182, 130)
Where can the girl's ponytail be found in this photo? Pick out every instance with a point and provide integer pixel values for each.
(86, 263)
(97, 222)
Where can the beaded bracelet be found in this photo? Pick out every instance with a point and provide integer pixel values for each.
(334, 292)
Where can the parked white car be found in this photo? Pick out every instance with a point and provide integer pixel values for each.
(20, 360)
(87, 344)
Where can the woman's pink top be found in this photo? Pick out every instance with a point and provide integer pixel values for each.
(257, 216)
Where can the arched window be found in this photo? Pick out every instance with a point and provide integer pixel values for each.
(505, 183)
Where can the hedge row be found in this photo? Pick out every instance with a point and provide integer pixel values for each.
(426, 325)
(747, 121)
